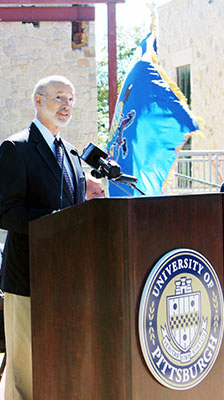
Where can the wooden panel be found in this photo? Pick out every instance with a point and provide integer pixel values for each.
(78, 304)
(89, 266)
(159, 226)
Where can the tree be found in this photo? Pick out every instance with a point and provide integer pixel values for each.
(127, 42)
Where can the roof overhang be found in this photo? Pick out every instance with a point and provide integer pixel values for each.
(23, 2)
(36, 14)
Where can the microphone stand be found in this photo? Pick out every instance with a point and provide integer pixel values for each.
(122, 178)
(121, 188)
(129, 181)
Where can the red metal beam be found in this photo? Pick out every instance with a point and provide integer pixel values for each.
(35, 14)
(59, 1)
(112, 58)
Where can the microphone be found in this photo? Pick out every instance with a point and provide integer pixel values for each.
(74, 152)
(96, 158)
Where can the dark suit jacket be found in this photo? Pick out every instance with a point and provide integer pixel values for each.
(30, 179)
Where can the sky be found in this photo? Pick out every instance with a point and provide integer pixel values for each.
(130, 13)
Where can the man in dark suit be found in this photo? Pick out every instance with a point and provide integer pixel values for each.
(30, 187)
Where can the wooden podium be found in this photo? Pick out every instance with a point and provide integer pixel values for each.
(89, 264)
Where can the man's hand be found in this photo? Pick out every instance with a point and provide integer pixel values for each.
(94, 188)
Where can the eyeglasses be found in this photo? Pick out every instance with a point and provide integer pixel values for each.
(60, 99)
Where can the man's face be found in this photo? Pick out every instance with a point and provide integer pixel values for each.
(55, 106)
(94, 188)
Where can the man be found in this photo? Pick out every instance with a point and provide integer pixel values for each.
(30, 187)
(93, 189)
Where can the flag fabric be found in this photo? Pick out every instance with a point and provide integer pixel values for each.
(150, 123)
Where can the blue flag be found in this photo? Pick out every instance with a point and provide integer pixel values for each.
(150, 123)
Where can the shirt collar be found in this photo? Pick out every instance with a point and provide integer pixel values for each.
(46, 133)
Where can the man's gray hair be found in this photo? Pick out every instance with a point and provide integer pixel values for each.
(40, 87)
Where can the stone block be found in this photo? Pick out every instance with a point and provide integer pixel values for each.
(89, 52)
(83, 62)
(20, 60)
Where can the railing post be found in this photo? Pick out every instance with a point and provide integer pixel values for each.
(203, 172)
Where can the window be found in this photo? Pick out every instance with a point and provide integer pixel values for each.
(184, 83)
(79, 36)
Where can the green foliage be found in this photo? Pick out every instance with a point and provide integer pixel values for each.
(127, 42)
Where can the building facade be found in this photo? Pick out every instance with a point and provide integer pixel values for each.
(191, 48)
(29, 52)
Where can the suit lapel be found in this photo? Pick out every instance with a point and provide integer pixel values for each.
(48, 157)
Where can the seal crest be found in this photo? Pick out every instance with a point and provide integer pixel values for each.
(181, 319)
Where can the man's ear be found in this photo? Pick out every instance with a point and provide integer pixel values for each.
(38, 100)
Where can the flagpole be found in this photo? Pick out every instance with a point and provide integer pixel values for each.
(112, 58)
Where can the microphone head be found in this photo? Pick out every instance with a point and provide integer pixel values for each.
(92, 154)
(96, 174)
(74, 152)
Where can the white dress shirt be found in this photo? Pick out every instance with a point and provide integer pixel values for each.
(50, 138)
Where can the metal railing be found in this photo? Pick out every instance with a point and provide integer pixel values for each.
(196, 171)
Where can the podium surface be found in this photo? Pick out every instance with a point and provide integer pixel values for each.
(89, 264)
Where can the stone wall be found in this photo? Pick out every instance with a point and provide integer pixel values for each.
(190, 32)
(28, 53)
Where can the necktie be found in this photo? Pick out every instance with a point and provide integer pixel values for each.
(59, 156)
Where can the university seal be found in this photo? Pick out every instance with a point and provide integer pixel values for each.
(181, 319)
